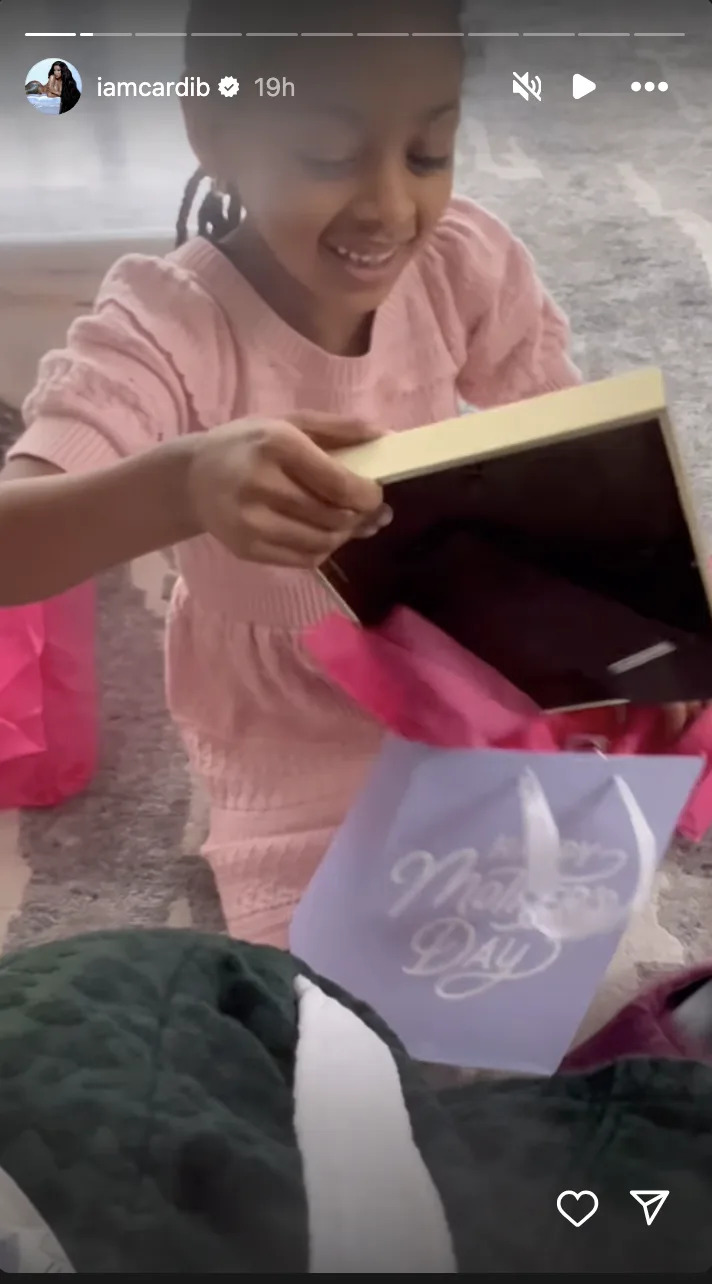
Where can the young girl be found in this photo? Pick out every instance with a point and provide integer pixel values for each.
(338, 291)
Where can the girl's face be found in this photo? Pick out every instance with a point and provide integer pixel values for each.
(56, 70)
(345, 179)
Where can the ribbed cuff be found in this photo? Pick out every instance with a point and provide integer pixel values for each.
(73, 447)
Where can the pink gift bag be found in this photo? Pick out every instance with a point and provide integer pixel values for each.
(422, 686)
(48, 699)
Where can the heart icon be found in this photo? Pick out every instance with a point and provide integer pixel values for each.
(577, 1195)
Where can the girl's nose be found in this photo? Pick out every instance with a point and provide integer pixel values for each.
(386, 199)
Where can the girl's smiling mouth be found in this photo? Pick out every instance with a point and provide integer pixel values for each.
(368, 263)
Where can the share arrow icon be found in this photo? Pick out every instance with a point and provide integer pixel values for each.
(651, 1201)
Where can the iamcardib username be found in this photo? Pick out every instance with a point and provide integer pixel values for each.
(193, 87)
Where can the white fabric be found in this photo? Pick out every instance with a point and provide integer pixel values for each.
(48, 106)
(373, 1206)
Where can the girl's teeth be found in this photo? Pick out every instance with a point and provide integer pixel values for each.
(363, 260)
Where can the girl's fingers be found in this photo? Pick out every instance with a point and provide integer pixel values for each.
(332, 432)
(265, 526)
(326, 480)
(281, 494)
(675, 718)
(370, 527)
(679, 716)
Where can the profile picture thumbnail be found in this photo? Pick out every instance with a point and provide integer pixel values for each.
(53, 86)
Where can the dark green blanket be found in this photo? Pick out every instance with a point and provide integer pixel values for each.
(147, 1112)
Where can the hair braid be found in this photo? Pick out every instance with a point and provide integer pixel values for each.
(215, 218)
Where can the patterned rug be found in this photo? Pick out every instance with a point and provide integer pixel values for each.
(619, 217)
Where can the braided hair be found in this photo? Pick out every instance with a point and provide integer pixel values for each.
(218, 212)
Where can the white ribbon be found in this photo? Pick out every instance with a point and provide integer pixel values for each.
(574, 911)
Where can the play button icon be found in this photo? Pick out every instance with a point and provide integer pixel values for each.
(582, 86)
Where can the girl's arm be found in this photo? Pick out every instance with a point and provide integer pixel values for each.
(118, 417)
(58, 530)
(266, 489)
(95, 478)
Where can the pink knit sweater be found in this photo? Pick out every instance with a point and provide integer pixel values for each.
(181, 344)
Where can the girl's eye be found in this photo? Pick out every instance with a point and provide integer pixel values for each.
(333, 168)
(430, 164)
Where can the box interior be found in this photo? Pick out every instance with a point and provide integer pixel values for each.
(569, 567)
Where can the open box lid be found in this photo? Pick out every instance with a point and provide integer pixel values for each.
(554, 538)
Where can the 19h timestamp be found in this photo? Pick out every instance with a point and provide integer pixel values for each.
(274, 87)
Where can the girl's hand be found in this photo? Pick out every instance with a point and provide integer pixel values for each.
(679, 716)
(268, 490)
